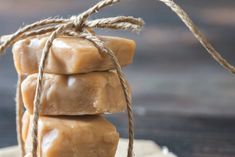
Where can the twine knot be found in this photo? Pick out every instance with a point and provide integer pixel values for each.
(78, 23)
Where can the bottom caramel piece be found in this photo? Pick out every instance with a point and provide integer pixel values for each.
(77, 136)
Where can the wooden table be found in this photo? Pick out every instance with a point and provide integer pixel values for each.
(143, 148)
(188, 136)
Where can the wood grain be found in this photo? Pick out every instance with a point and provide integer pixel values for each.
(186, 136)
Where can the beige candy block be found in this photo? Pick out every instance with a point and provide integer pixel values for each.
(81, 94)
(70, 55)
(76, 136)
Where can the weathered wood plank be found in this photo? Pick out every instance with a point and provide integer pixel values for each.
(186, 136)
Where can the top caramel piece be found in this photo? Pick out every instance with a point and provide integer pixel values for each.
(70, 55)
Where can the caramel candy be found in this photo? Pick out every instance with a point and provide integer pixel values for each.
(83, 136)
(70, 55)
(81, 94)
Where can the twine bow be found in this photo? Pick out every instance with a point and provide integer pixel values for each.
(77, 26)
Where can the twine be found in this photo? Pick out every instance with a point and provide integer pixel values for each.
(199, 35)
(79, 26)
(19, 114)
(75, 26)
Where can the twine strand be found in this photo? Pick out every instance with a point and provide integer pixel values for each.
(100, 45)
(37, 98)
(199, 35)
(14, 37)
(120, 22)
(19, 114)
(80, 20)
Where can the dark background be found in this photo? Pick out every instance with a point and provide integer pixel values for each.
(182, 98)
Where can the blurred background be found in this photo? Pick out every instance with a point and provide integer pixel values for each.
(182, 98)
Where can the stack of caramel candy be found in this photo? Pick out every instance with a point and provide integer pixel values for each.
(79, 86)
